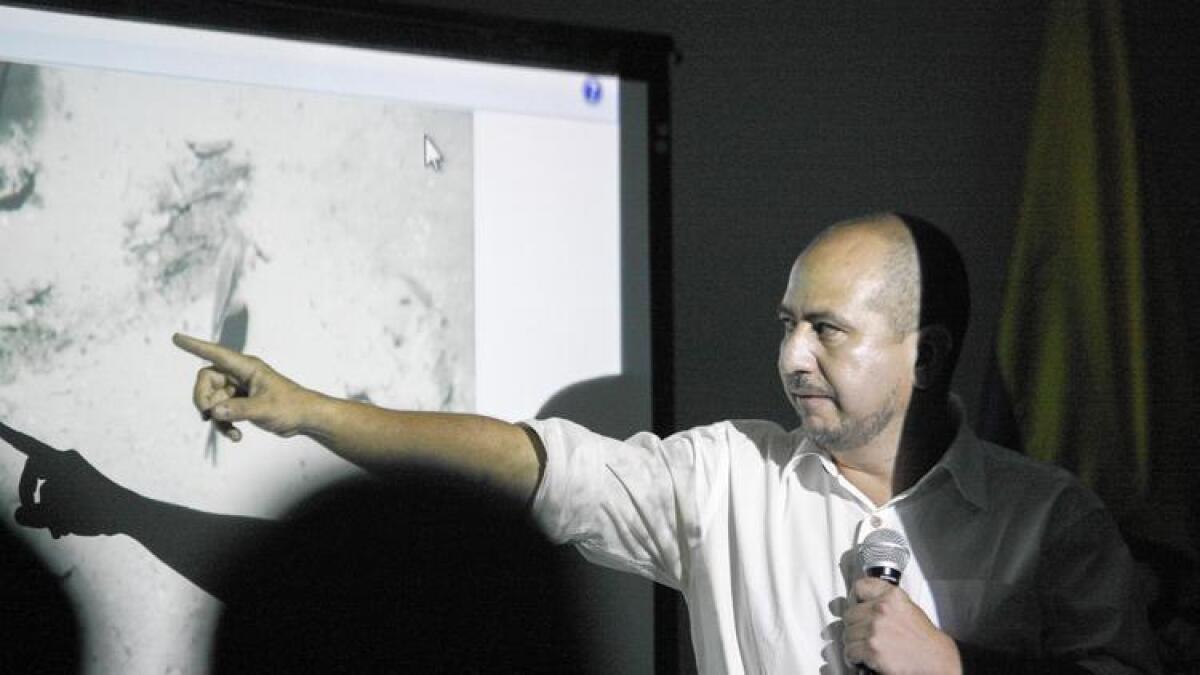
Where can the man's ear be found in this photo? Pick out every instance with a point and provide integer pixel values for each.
(933, 356)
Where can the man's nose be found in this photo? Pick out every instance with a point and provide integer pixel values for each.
(796, 351)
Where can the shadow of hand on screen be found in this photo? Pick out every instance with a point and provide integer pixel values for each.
(62, 492)
(74, 497)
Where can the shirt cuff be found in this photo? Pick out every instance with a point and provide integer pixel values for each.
(547, 506)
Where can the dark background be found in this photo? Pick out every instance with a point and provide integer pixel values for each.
(788, 116)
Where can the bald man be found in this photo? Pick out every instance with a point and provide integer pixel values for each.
(1014, 565)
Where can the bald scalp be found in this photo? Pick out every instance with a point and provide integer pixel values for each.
(898, 296)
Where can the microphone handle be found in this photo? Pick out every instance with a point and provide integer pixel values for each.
(890, 575)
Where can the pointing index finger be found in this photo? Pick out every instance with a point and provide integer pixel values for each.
(224, 358)
(25, 443)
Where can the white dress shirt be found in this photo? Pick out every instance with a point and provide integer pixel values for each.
(759, 531)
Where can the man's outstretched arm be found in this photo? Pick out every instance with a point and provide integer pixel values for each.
(238, 387)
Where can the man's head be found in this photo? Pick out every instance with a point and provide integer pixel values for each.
(859, 333)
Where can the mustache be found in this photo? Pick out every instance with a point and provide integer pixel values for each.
(802, 385)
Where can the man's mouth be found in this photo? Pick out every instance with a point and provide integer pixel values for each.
(811, 400)
(805, 390)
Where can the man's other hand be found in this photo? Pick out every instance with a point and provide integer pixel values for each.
(238, 387)
(61, 492)
(887, 632)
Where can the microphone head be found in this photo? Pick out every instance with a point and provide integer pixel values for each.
(883, 549)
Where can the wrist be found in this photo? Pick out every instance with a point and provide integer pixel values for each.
(316, 414)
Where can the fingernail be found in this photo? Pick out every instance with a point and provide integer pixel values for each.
(221, 412)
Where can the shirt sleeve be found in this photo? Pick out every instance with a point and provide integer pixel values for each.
(633, 505)
(1092, 598)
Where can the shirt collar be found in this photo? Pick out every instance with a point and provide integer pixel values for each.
(962, 460)
(807, 455)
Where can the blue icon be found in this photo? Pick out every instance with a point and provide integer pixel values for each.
(592, 92)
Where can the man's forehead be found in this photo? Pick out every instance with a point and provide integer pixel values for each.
(843, 257)
(827, 283)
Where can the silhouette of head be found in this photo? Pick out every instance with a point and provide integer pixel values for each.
(424, 574)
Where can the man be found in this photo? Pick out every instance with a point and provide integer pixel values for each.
(1014, 564)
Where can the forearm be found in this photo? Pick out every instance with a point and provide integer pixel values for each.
(203, 547)
(382, 440)
(239, 388)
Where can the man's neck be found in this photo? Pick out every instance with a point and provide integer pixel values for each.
(870, 468)
(896, 459)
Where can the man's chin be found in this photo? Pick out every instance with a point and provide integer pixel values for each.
(819, 430)
(827, 441)
(844, 435)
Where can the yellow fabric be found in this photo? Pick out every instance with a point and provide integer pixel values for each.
(1072, 341)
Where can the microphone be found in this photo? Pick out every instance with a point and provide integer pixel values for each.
(883, 554)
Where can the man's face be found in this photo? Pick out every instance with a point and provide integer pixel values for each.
(844, 368)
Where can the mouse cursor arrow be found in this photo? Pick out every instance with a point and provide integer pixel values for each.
(433, 156)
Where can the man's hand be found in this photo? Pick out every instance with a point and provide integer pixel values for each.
(887, 632)
(238, 387)
(74, 497)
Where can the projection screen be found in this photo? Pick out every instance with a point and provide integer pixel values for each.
(414, 230)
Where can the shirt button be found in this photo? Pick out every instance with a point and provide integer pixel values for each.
(876, 521)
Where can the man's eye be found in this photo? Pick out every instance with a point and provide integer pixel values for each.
(824, 329)
(788, 324)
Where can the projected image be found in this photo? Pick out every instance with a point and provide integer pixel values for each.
(330, 234)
